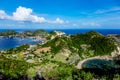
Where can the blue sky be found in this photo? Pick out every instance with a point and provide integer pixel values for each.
(60, 14)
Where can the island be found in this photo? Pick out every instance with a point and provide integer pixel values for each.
(61, 56)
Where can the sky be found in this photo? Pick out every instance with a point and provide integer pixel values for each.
(59, 14)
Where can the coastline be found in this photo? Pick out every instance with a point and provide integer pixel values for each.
(70, 31)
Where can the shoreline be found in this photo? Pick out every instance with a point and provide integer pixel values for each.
(32, 40)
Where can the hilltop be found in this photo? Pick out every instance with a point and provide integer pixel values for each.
(88, 44)
(58, 57)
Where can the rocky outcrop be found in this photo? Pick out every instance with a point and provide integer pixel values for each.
(38, 76)
(116, 52)
(116, 37)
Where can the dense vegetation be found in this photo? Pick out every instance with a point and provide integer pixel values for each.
(59, 62)
(12, 33)
(9, 32)
(13, 68)
(91, 41)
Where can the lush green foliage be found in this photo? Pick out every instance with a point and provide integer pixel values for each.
(12, 33)
(94, 41)
(80, 45)
(41, 33)
(13, 68)
(63, 72)
(102, 45)
(18, 49)
(7, 33)
(57, 44)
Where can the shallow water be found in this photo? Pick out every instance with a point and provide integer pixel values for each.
(99, 63)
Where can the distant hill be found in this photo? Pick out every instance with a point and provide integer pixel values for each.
(7, 33)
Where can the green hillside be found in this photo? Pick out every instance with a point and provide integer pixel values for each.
(57, 58)
(88, 44)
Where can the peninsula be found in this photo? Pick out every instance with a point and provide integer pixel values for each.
(78, 56)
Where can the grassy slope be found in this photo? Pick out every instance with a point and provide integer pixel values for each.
(64, 51)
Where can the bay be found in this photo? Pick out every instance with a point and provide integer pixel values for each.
(7, 43)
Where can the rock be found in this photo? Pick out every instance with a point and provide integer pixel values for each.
(1, 76)
(116, 52)
(38, 76)
(25, 77)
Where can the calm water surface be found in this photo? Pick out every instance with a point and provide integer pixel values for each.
(7, 43)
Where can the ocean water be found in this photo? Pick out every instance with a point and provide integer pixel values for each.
(79, 31)
(73, 31)
(99, 63)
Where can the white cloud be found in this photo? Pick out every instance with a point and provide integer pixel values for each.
(91, 24)
(3, 15)
(75, 25)
(22, 13)
(107, 10)
(67, 22)
(37, 19)
(58, 20)
(26, 14)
